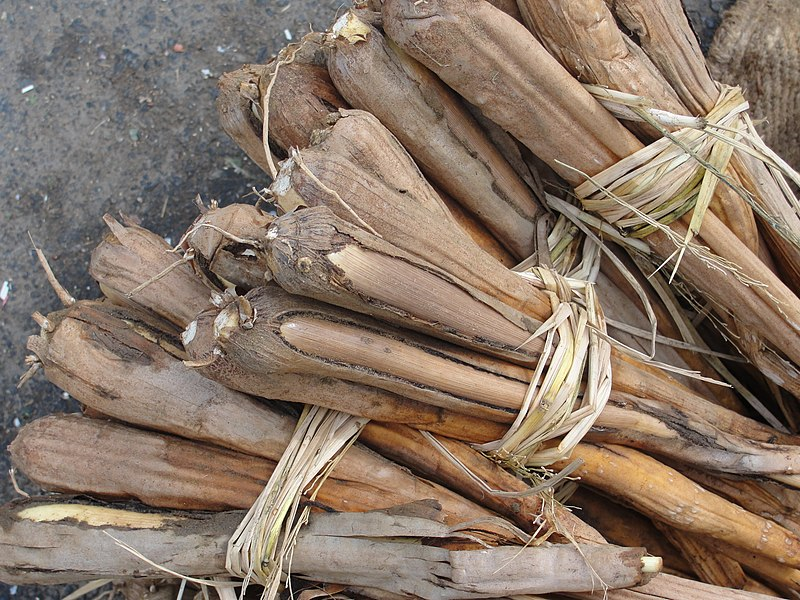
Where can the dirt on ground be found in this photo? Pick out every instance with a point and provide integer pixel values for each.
(109, 107)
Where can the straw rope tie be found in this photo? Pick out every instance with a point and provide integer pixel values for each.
(677, 173)
(554, 283)
(575, 350)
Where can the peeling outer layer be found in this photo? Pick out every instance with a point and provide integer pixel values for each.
(311, 178)
(436, 128)
(477, 50)
(297, 337)
(227, 245)
(261, 371)
(411, 541)
(315, 254)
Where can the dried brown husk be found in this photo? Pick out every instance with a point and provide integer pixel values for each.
(786, 580)
(477, 232)
(334, 547)
(362, 139)
(238, 93)
(241, 371)
(584, 37)
(310, 177)
(669, 587)
(347, 140)
(221, 242)
(303, 101)
(370, 402)
(436, 128)
(314, 253)
(51, 540)
(303, 279)
(665, 495)
(73, 454)
(299, 101)
(307, 255)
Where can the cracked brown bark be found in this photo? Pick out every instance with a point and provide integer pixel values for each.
(438, 130)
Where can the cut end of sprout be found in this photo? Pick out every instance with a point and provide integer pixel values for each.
(652, 564)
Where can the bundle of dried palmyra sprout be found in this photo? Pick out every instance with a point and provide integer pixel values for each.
(517, 246)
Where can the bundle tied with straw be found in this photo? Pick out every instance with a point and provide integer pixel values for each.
(579, 139)
(370, 347)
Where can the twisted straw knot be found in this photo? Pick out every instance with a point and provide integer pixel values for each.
(554, 283)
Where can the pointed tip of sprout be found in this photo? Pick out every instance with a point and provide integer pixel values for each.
(283, 181)
(350, 28)
(226, 322)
